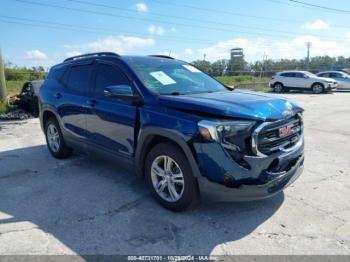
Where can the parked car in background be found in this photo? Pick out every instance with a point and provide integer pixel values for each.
(28, 97)
(182, 130)
(342, 78)
(301, 80)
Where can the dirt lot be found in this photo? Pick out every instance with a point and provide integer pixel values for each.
(88, 206)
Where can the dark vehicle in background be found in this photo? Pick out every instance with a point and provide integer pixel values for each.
(182, 130)
(342, 78)
(28, 97)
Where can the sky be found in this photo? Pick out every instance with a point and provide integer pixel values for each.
(44, 32)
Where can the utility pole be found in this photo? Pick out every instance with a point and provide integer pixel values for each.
(263, 65)
(2, 80)
(204, 55)
(308, 46)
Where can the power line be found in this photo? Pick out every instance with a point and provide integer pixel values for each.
(285, 33)
(320, 6)
(99, 30)
(226, 12)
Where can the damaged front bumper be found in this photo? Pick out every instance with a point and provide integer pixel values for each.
(224, 179)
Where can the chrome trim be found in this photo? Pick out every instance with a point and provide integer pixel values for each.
(256, 132)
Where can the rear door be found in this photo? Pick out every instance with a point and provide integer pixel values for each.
(288, 79)
(73, 101)
(112, 122)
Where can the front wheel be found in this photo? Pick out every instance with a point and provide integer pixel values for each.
(317, 88)
(170, 179)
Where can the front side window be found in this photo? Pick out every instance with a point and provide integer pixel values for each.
(107, 76)
(166, 76)
(79, 78)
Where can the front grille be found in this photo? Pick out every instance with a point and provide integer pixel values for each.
(269, 139)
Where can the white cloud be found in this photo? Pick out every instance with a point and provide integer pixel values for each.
(316, 25)
(72, 53)
(173, 29)
(155, 30)
(141, 8)
(348, 35)
(119, 44)
(189, 51)
(254, 49)
(35, 55)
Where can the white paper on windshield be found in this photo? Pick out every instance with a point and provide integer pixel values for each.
(191, 68)
(163, 78)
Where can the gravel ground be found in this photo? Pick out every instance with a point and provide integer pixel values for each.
(84, 205)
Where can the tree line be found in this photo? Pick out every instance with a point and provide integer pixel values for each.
(267, 67)
(13, 72)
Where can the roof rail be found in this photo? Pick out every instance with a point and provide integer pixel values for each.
(163, 56)
(90, 54)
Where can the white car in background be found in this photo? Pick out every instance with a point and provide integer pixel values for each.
(301, 80)
(342, 78)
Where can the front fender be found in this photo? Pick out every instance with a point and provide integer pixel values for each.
(144, 138)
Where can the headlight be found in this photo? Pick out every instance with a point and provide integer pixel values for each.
(231, 134)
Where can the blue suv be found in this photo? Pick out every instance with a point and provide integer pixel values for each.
(186, 133)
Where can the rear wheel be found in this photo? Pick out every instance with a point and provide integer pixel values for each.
(278, 88)
(54, 139)
(317, 88)
(170, 179)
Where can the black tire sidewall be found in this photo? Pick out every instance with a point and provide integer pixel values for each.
(190, 195)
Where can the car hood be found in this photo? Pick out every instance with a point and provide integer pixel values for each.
(236, 104)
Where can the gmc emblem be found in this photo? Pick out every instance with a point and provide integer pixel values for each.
(286, 131)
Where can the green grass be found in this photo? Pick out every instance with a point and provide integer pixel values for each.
(242, 79)
(14, 86)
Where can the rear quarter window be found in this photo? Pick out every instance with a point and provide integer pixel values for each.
(57, 73)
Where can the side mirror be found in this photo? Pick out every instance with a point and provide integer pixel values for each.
(231, 88)
(121, 91)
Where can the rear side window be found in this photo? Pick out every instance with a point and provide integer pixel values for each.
(299, 75)
(288, 74)
(79, 78)
(108, 75)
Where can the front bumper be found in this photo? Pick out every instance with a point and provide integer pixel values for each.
(332, 87)
(259, 182)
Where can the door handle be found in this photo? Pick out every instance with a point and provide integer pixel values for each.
(91, 103)
(57, 95)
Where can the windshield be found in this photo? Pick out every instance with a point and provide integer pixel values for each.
(172, 77)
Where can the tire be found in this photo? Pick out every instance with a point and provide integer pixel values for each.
(169, 179)
(54, 139)
(317, 88)
(278, 88)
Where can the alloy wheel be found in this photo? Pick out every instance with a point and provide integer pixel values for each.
(317, 89)
(278, 88)
(167, 178)
(53, 138)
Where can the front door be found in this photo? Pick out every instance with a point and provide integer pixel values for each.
(112, 122)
